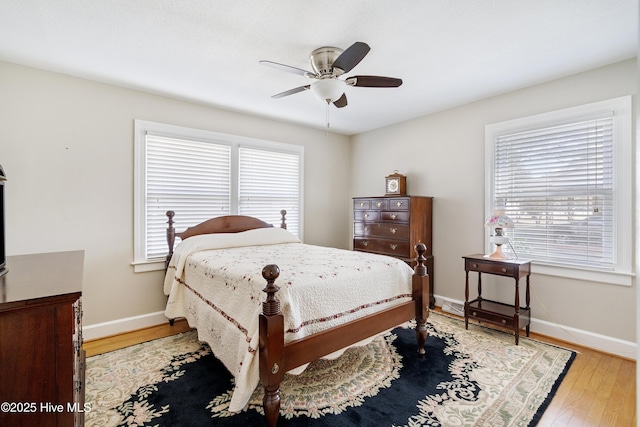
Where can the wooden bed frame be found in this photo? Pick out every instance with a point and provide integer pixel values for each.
(275, 357)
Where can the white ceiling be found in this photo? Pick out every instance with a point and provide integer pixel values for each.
(448, 52)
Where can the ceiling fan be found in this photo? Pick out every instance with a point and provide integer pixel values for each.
(329, 63)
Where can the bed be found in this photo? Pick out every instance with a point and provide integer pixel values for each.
(319, 301)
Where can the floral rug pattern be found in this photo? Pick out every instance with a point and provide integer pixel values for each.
(485, 380)
(317, 391)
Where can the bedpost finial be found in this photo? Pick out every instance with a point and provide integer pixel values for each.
(171, 233)
(171, 238)
(283, 219)
(271, 306)
(420, 269)
(271, 272)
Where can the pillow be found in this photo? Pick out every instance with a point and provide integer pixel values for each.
(256, 237)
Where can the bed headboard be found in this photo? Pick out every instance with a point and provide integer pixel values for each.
(221, 224)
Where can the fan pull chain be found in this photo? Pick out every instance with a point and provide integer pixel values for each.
(327, 132)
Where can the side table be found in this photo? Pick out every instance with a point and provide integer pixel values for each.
(498, 313)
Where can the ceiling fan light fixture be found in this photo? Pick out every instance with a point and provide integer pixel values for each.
(328, 90)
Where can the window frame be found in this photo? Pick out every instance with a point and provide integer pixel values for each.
(142, 128)
(622, 273)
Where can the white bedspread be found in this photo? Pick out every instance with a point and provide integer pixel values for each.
(215, 281)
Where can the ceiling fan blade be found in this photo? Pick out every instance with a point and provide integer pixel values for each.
(351, 57)
(287, 68)
(291, 91)
(373, 81)
(341, 102)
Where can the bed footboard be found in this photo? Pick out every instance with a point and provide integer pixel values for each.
(276, 358)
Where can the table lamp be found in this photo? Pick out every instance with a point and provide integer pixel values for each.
(498, 222)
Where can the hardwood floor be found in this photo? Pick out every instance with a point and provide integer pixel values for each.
(598, 390)
(115, 342)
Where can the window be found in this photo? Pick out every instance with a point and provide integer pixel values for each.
(269, 181)
(200, 175)
(564, 178)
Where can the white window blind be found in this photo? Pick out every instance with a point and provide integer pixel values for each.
(200, 175)
(269, 182)
(557, 184)
(192, 178)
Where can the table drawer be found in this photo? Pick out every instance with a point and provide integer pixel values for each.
(498, 313)
(382, 246)
(489, 267)
(491, 317)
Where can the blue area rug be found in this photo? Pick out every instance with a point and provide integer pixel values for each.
(467, 378)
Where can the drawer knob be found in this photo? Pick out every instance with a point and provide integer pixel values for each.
(379, 204)
(393, 247)
(394, 216)
(474, 313)
(366, 228)
(398, 204)
(361, 204)
(366, 215)
(504, 270)
(474, 265)
(393, 230)
(365, 243)
(504, 322)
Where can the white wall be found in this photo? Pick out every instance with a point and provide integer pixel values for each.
(443, 156)
(66, 145)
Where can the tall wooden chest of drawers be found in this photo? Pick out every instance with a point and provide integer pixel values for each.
(393, 226)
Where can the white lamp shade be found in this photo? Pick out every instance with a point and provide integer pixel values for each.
(328, 90)
(498, 220)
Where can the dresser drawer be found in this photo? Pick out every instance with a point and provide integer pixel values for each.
(381, 204)
(396, 216)
(395, 231)
(360, 204)
(382, 246)
(370, 204)
(399, 203)
(367, 216)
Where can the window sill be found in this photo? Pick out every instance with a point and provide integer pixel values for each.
(608, 277)
(146, 266)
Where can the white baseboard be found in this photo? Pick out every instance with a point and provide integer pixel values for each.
(622, 348)
(101, 330)
(449, 306)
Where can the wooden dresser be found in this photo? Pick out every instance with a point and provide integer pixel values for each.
(41, 356)
(393, 226)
